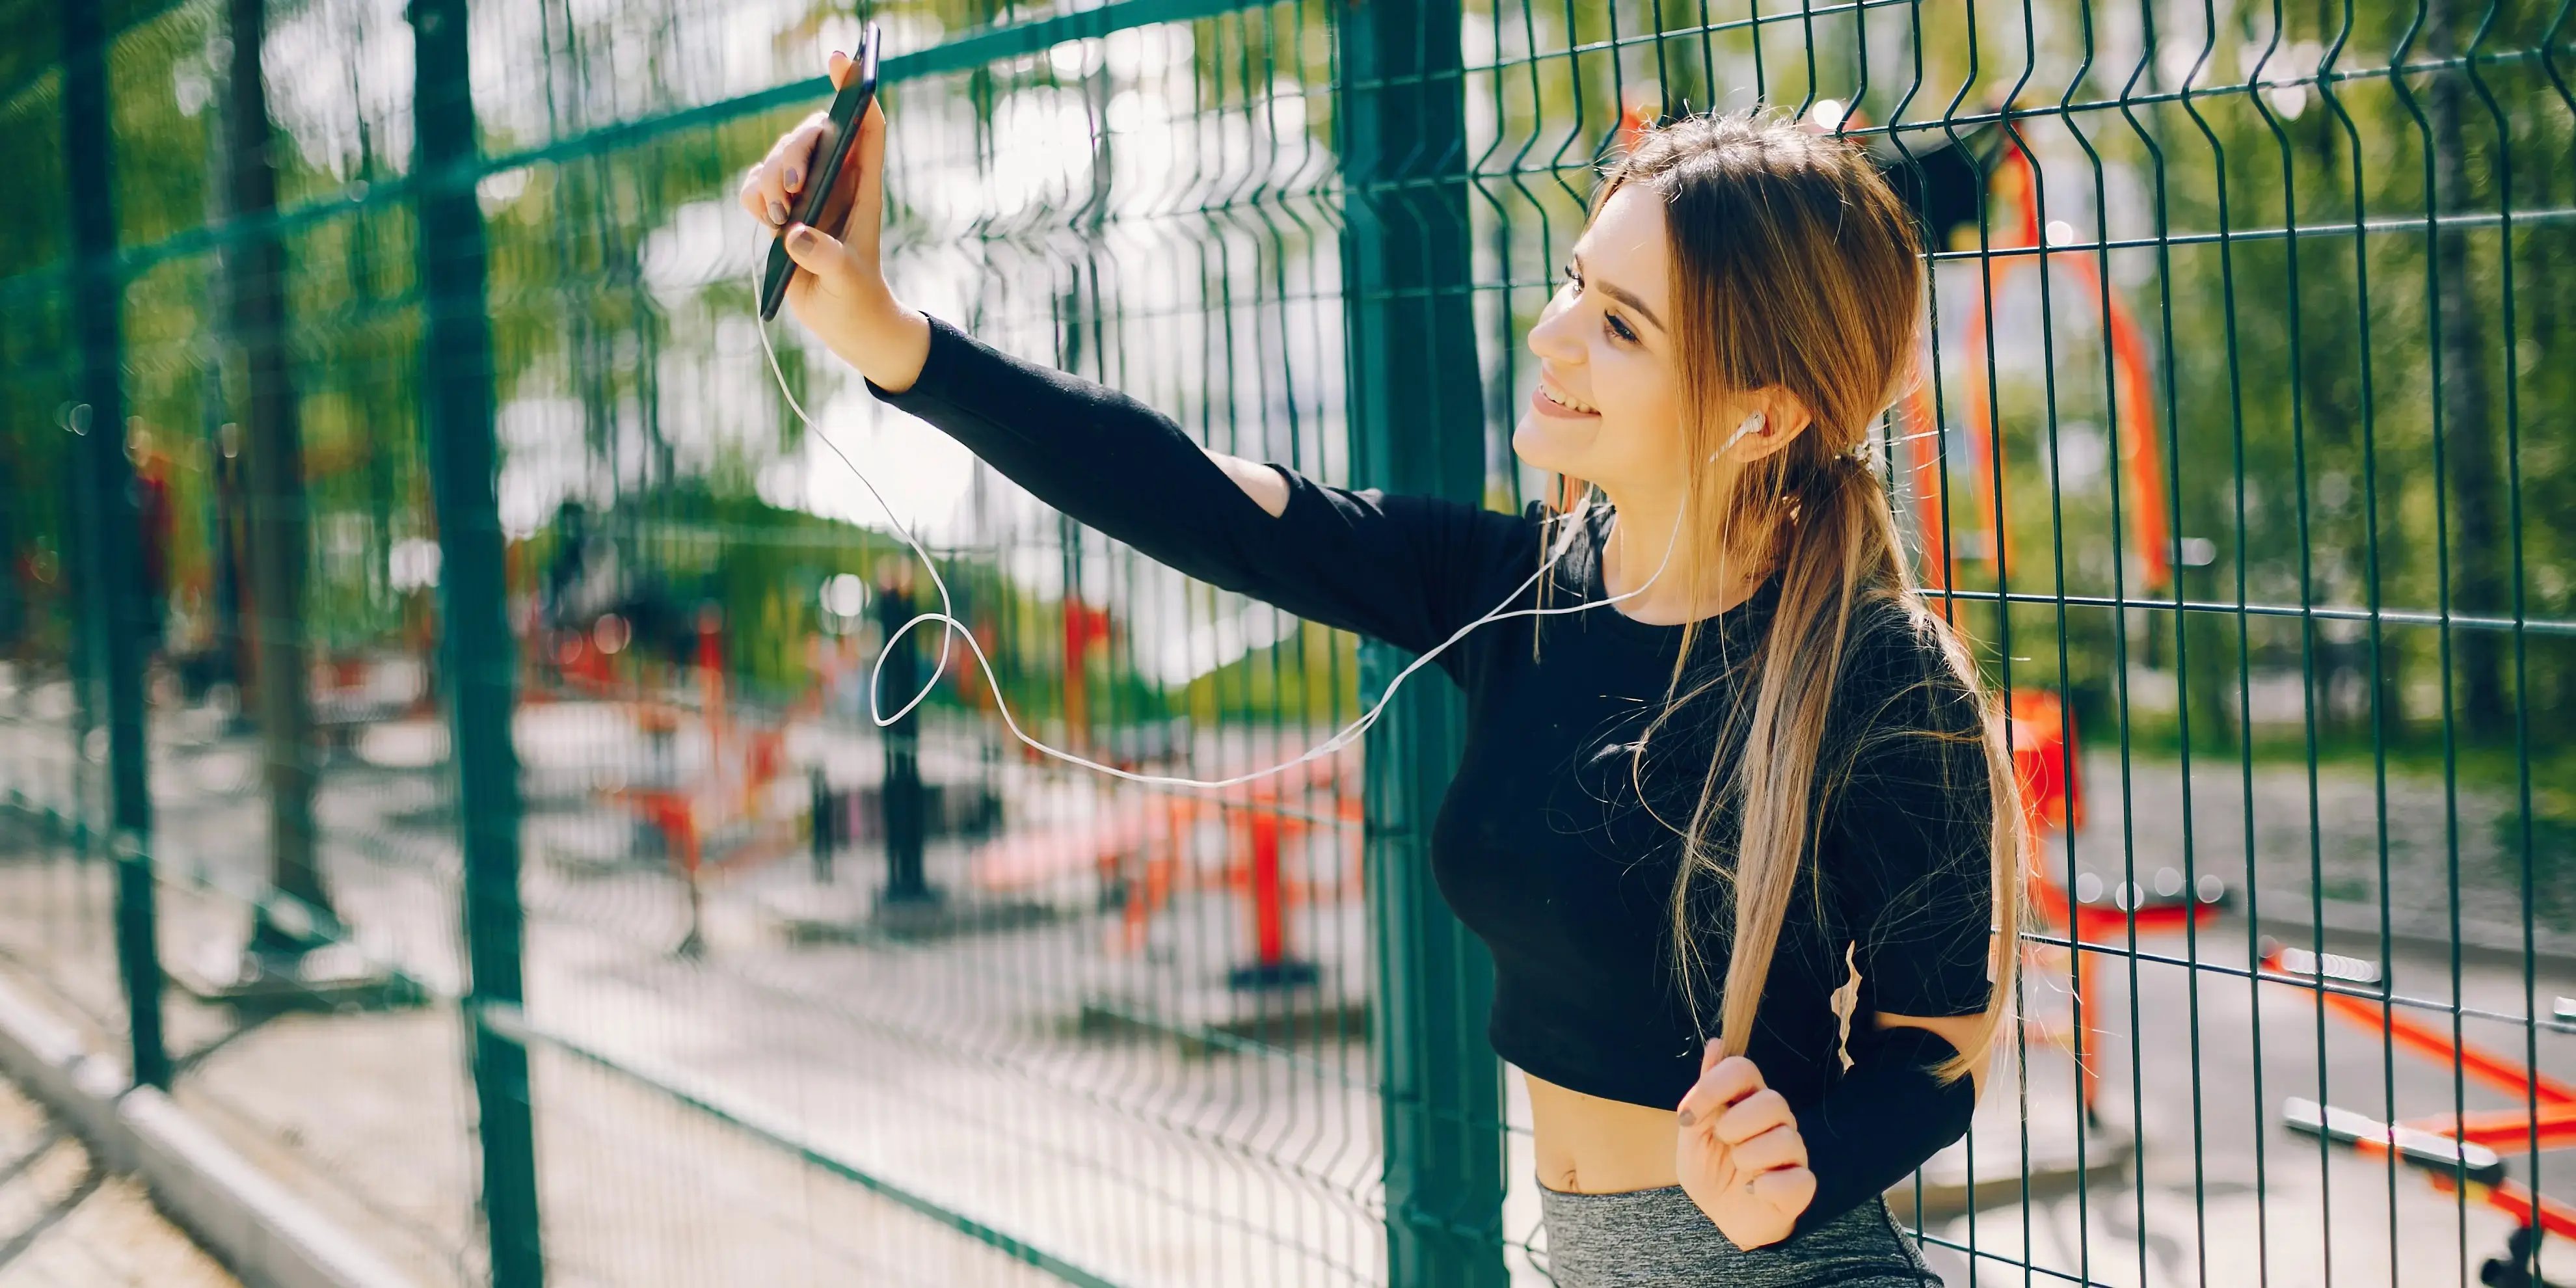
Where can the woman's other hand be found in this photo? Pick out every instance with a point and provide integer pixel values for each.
(840, 294)
(1740, 1155)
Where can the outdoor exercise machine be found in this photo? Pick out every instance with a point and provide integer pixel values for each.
(2093, 917)
(2018, 246)
(742, 810)
(2452, 1151)
(1255, 822)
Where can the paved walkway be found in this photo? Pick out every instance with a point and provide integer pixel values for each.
(954, 1068)
(65, 1225)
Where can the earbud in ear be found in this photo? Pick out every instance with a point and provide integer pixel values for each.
(1752, 425)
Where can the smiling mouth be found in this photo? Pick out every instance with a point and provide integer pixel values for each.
(1567, 403)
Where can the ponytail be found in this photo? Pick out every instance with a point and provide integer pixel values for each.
(1838, 548)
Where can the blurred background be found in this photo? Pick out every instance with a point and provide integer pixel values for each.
(435, 737)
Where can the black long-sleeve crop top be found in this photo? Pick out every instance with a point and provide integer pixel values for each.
(1544, 845)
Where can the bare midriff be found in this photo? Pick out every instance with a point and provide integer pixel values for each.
(1588, 1145)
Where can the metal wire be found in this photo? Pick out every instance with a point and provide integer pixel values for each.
(2236, 450)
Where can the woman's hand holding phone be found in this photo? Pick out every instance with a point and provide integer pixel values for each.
(841, 293)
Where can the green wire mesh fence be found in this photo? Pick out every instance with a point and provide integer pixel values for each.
(563, 912)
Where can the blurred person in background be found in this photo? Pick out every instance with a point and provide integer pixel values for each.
(152, 507)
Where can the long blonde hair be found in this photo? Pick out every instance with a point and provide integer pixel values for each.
(1793, 266)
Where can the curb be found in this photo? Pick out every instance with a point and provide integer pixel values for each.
(258, 1230)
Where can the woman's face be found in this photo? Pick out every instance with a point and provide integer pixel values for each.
(1608, 404)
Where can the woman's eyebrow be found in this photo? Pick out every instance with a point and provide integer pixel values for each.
(1619, 294)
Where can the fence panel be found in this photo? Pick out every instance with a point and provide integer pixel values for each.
(603, 935)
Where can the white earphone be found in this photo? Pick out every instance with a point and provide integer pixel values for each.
(951, 628)
(1752, 424)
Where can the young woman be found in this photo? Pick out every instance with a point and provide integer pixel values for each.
(1760, 782)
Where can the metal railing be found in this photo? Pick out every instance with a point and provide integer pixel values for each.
(542, 930)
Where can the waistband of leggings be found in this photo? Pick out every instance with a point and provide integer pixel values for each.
(1612, 1196)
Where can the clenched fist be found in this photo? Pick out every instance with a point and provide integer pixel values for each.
(1740, 1155)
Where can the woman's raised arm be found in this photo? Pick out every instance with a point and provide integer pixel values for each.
(1406, 569)
(1409, 570)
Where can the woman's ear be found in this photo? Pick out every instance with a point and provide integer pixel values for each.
(1784, 417)
(1772, 419)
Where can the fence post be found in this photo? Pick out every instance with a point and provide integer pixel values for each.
(115, 617)
(900, 809)
(138, 956)
(280, 527)
(478, 662)
(1416, 411)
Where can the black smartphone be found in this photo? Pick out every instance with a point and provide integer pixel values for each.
(813, 201)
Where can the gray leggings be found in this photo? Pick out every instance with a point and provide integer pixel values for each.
(1660, 1239)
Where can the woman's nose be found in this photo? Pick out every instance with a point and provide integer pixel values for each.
(1551, 337)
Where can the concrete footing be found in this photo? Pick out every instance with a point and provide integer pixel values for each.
(260, 1231)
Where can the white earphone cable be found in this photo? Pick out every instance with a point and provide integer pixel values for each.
(951, 627)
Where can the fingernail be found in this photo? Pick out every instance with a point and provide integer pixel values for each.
(794, 176)
(1688, 1118)
(777, 213)
(801, 238)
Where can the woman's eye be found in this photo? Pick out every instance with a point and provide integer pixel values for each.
(1609, 321)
